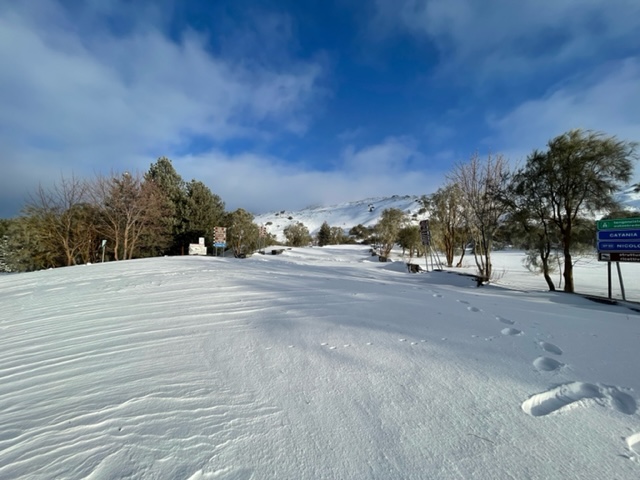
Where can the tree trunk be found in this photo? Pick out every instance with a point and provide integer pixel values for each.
(548, 279)
(69, 254)
(459, 264)
(116, 248)
(568, 262)
(544, 256)
(568, 272)
(487, 244)
(449, 250)
(488, 268)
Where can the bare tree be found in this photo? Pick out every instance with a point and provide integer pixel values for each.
(482, 184)
(131, 210)
(447, 220)
(57, 216)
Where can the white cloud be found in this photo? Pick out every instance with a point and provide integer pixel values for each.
(505, 37)
(261, 184)
(438, 133)
(607, 101)
(78, 96)
(143, 86)
(392, 155)
(351, 134)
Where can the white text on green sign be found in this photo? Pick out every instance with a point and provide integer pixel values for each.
(618, 223)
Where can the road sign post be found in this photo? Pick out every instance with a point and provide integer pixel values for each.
(425, 237)
(219, 238)
(618, 240)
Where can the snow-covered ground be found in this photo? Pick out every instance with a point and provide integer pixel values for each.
(590, 276)
(317, 363)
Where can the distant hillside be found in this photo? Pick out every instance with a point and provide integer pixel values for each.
(367, 212)
(345, 215)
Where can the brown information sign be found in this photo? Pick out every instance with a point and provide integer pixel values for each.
(619, 257)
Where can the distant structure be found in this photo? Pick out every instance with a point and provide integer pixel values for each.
(198, 248)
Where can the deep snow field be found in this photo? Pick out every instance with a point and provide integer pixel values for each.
(320, 363)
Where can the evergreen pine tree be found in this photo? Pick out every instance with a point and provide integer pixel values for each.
(324, 235)
(174, 191)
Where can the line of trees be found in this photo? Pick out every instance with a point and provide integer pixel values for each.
(139, 215)
(548, 206)
(297, 235)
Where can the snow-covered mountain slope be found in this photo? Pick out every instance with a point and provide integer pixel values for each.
(367, 212)
(345, 215)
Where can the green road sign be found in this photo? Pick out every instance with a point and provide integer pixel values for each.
(618, 223)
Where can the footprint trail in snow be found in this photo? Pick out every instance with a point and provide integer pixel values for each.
(557, 398)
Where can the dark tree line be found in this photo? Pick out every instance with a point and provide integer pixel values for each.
(138, 215)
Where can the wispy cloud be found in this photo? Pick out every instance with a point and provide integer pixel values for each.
(534, 70)
(80, 97)
(393, 154)
(351, 134)
(393, 166)
(271, 110)
(608, 101)
(503, 37)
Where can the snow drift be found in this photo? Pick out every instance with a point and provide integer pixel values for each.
(318, 363)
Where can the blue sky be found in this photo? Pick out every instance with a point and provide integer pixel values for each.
(284, 104)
